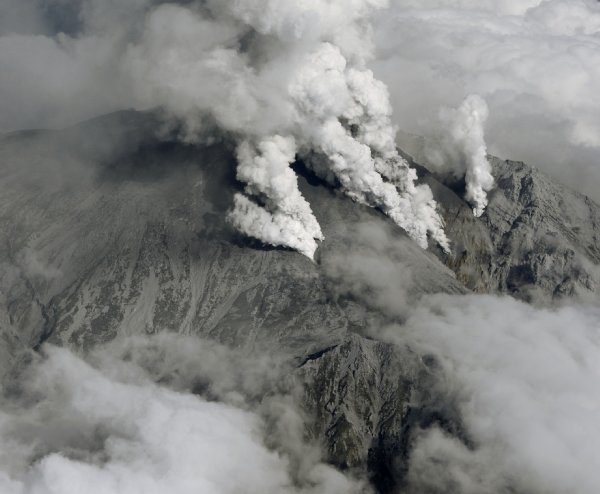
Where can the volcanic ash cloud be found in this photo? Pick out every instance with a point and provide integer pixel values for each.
(289, 81)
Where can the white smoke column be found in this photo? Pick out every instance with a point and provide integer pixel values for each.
(285, 78)
(287, 218)
(346, 117)
(466, 128)
(372, 118)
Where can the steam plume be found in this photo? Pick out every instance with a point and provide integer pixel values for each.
(287, 218)
(465, 150)
(466, 129)
(288, 79)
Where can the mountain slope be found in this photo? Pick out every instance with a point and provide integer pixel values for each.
(112, 228)
(135, 241)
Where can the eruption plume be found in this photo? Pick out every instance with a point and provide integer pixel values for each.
(288, 80)
(466, 128)
(286, 219)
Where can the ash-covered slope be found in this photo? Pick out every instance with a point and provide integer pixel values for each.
(107, 229)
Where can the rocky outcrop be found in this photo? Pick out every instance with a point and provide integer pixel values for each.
(537, 240)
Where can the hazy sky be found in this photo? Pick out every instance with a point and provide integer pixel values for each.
(536, 64)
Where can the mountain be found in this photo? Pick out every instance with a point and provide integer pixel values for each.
(537, 240)
(113, 228)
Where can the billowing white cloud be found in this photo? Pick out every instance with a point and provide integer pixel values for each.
(109, 429)
(300, 75)
(262, 70)
(265, 168)
(346, 116)
(461, 149)
(525, 381)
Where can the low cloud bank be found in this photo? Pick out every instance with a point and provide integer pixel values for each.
(523, 379)
(526, 384)
(110, 425)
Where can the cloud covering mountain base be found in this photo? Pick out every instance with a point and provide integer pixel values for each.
(523, 380)
(110, 428)
(150, 414)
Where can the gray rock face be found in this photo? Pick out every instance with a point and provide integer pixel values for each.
(358, 391)
(537, 240)
(365, 397)
(545, 235)
(106, 230)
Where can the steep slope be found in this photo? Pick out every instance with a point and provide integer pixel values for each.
(366, 398)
